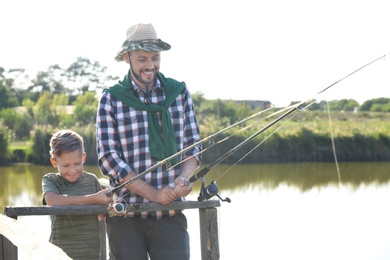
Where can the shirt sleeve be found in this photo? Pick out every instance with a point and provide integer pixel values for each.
(108, 145)
(191, 129)
(49, 184)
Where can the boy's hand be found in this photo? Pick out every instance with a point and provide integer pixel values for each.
(101, 216)
(102, 198)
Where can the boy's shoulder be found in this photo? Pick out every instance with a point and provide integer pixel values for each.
(56, 177)
(89, 175)
(52, 176)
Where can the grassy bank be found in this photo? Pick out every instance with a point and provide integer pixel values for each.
(307, 137)
(304, 137)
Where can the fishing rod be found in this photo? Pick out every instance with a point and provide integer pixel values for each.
(210, 137)
(212, 189)
(168, 159)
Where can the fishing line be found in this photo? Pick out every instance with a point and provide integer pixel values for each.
(122, 209)
(213, 143)
(268, 136)
(119, 208)
(168, 159)
(333, 144)
(210, 146)
(189, 157)
(362, 67)
(207, 168)
(254, 148)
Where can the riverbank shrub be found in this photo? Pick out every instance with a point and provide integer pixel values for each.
(307, 137)
(304, 146)
(3, 145)
(40, 149)
(304, 137)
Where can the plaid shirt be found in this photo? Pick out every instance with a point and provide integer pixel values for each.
(122, 142)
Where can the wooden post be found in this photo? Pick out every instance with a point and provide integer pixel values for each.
(209, 233)
(102, 235)
(8, 251)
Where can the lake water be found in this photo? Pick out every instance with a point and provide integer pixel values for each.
(277, 211)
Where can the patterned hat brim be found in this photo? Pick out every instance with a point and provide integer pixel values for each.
(144, 45)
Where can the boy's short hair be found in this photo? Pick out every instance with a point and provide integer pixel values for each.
(65, 141)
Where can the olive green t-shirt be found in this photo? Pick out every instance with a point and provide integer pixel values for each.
(77, 235)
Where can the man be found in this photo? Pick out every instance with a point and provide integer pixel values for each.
(142, 120)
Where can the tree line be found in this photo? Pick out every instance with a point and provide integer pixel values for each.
(33, 108)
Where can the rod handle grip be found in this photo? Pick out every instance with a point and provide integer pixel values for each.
(199, 174)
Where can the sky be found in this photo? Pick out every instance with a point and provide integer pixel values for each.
(279, 50)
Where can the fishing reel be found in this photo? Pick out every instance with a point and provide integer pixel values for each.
(210, 191)
(117, 208)
(121, 208)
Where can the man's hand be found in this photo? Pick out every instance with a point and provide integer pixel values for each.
(183, 186)
(164, 196)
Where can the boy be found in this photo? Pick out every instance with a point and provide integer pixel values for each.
(77, 235)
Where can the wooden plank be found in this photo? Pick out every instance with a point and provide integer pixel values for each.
(209, 242)
(98, 209)
(22, 237)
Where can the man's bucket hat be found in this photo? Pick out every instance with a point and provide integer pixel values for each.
(141, 37)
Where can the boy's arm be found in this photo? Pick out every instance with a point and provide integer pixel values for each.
(54, 199)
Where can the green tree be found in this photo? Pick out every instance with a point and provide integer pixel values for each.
(23, 126)
(319, 105)
(49, 81)
(7, 97)
(219, 108)
(366, 106)
(45, 110)
(40, 146)
(198, 98)
(243, 111)
(84, 75)
(8, 116)
(343, 105)
(380, 107)
(85, 108)
(3, 144)
(386, 107)
(29, 105)
(19, 124)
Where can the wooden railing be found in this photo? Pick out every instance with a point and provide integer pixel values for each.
(207, 218)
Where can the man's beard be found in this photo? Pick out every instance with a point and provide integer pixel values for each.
(147, 83)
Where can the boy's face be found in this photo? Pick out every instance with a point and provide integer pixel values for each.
(70, 164)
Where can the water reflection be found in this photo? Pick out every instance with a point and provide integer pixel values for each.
(303, 176)
(278, 211)
(20, 185)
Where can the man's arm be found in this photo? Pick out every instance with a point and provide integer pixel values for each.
(183, 187)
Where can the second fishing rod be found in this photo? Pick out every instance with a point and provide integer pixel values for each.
(212, 189)
(204, 171)
(209, 138)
